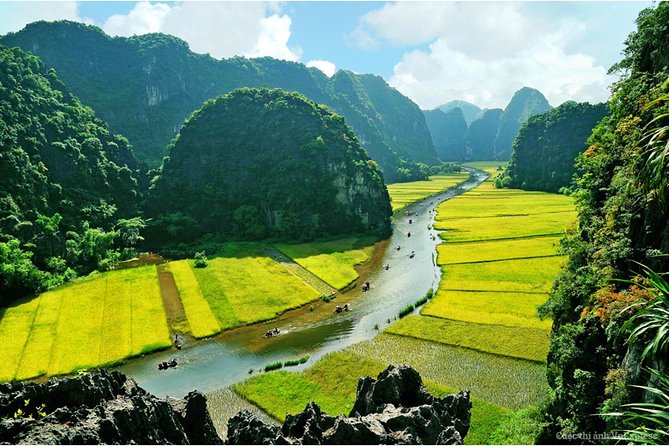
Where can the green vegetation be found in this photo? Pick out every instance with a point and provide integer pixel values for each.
(402, 194)
(48, 335)
(67, 186)
(546, 146)
(514, 342)
(309, 180)
(242, 285)
(333, 261)
(290, 363)
(622, 220)
(392, 126)
(202, 321)
(332, 382)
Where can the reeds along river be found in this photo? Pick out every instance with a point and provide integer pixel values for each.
(216, 363)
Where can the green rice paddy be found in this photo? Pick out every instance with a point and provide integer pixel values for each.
(522, 343)
(332, 382)
(242, 285)
(402, 194)
(332, 261)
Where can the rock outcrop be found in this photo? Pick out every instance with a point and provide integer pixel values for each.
(102, 407)
(393, 409)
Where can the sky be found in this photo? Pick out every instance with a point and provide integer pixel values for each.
(432, 52)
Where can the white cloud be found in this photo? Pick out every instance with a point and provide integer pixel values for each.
(15, 15)
(273, 39)
(325, 66)
(441, 74)
(483, 52)
(222, 29)
(144, 18)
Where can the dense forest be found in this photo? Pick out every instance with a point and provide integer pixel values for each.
(146, 86)
(68, 187)
(259, 162)
(610, 312)
(545, 149)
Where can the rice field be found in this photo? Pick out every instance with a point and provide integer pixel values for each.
(523, 343)
(526, 275)
(402, 194)
(485, 251)
(95, 321)
(242, 285)
(503, 381)
(504, 227)
(511, 309)
(332, 261)
(202, 321)
(332, 383)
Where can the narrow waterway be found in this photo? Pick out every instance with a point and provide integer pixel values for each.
(314, 330)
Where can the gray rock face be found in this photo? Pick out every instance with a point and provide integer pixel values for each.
(102, 407)
(393, 409)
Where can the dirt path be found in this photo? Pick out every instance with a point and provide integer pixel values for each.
(174, 309)
(307, 276)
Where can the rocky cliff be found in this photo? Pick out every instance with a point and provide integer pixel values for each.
(104, 407)
(393, 409)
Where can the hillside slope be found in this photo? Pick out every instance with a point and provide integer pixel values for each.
(145, 86)
(259, 162)
(62, 175)
(545, 149)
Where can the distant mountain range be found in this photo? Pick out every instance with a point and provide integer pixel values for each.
(145, 86)
(489, 133)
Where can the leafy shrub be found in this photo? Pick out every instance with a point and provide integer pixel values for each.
(201, 260)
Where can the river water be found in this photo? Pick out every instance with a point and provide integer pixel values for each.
(314, 330)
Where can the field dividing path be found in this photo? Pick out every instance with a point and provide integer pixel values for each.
(307, 276)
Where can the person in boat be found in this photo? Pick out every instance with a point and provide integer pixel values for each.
(412, 255)
(338, 309)
(347, 307)
(386, 267)
(173, 362)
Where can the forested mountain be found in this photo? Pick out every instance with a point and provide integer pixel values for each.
(65, 181)
(480, 138)
(545, 149)
(145, 86)
(524, 104)
(470, 111)
(258, 162)
(623, 204)
(449, 130)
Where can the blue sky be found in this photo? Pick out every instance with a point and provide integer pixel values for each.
(432, 52)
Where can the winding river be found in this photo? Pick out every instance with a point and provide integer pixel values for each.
(314, 330)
